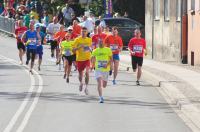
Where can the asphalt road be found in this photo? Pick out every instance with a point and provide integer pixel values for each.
(44, 102)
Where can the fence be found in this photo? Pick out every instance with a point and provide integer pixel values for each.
(7, 25)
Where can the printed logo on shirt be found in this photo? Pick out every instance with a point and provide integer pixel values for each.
(138, 48)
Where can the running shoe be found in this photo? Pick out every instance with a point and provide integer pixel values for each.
(81, 87)
(101, 100)
(27, 62)
(67, 80)
(52, 55)
(86, 91)
(64, 77)
(137, 83)
(39, 68)
(114, 82)
(31, 72)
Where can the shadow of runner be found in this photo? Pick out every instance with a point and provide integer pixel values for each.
(76, 98)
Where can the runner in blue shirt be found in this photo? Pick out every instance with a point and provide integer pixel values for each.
(30, 38)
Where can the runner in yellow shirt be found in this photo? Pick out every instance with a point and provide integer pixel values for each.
(82, 47)
(67, 53)
(101, 59)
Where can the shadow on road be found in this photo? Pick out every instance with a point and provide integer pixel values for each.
(76, 98)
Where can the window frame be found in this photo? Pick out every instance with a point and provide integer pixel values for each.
(178, 10)
(156, 8)
(167, 10)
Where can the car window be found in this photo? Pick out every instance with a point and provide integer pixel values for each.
(121, 23)
(130, 24)
(112, 23)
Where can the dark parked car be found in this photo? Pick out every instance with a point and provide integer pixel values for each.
(125, 26)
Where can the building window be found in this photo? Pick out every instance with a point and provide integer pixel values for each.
(178, 10)
(199, 6)
(167, 10)
(193, 5)
(156, 9)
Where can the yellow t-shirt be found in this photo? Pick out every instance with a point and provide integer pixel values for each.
(83, 53)
(67, 47)
(36, 16)
(102, 56)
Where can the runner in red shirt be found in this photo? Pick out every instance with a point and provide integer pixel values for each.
(137, 48)
(76, 28)
(19, 31)
(114, 41)
(100, 36)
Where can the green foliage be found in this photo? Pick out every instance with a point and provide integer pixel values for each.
(97, 7)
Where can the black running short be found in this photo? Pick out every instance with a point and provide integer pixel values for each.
(136, 61)
(74, 57)
(69, 59)
(20, 45)
(54, 44)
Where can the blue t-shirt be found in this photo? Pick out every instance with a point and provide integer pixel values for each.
(31, 38)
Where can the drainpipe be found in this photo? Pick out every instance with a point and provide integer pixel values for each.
(181, 35)
(153, 30)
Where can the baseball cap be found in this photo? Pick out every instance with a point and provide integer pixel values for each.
(69, 28)
(37, 25)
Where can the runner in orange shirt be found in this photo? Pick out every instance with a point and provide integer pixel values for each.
(114, 41)
(59, 36)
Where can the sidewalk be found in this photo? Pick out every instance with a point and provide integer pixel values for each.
(178, 84)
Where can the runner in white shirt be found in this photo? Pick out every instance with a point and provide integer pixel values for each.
(52, 28)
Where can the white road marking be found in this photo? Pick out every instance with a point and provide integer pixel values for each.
(27, 98)
(33, 105)
(24, 103)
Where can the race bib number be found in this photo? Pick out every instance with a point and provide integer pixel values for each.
(32, 40)
(114, 47)
(86, 49)
(137, 48)
(68, 53)
(102, 64)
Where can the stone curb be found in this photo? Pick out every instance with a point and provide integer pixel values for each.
(187, 111)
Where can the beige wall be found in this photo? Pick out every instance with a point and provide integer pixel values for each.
(194, 35)
(167, 34)
(148, 26)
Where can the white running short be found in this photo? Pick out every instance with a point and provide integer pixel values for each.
(103, 75)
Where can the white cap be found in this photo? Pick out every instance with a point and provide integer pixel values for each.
(70, 28)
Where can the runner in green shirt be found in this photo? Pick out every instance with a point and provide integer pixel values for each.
(67, 53)
(101, 59)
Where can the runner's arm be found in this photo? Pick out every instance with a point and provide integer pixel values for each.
(93, 60)
(130, 46)
(120, 44)
(23, 38)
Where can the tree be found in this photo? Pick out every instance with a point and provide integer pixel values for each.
(97, 7)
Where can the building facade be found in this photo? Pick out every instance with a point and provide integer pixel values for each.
(163, 29)
(194, 32)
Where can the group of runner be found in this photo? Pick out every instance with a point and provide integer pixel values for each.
(98, 51)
